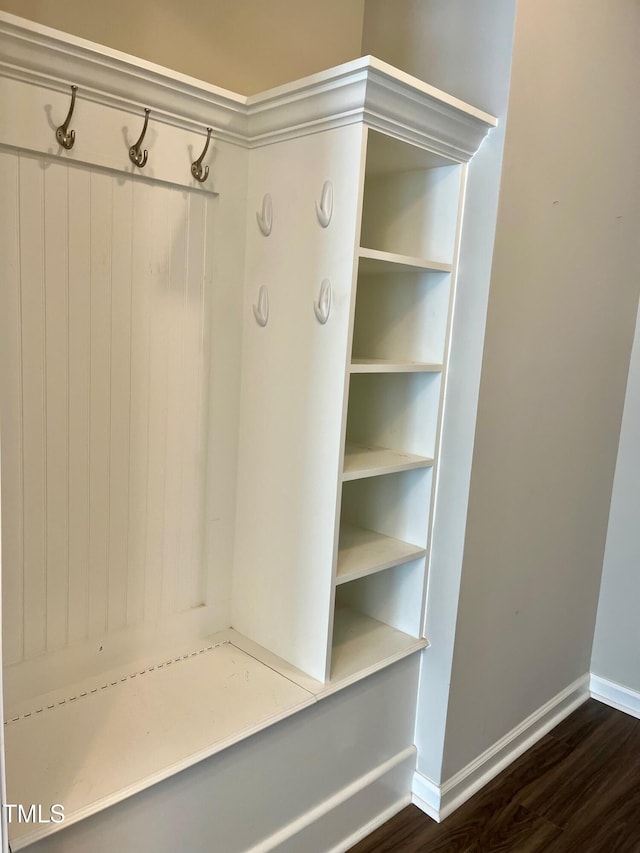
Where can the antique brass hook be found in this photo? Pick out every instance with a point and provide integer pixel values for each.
(136, 155)
(197, 171)
(67, 137)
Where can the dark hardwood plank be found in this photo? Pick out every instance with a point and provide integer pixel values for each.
(497, 796)
(585, 772)
(396, 833)
(481, 816)
(579, 725)
(536, 763)
(506, 828)
(604, 837)
(613, 807)
(576, 791)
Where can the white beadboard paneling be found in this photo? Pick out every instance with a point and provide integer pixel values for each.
(223, 271)
(11, 411)
(99, 399)
(141, 275)
(120, 397)
(158, 214)
(56, 390)
(104, 389)
(31, 220)
(79, 349)
(191, 590)
(174, 299)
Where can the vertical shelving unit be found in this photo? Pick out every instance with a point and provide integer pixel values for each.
(409, 230)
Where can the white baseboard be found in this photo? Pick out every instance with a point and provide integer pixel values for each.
(375, 823)
(349, 815)
(427, 795)
(438, 801)
(616, 695)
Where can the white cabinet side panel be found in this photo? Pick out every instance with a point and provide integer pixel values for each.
(292, 394)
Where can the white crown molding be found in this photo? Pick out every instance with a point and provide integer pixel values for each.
(52, 59)
(370, 90)
(363, 90)
(423, 115)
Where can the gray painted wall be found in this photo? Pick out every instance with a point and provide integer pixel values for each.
(562, 308)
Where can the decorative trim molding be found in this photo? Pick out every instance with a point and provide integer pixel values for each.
(402, 762)
(363, 90)
(372, 91)
(380, 819)
(439, 801)
(616, 695)
(52, 59)
(426, 795)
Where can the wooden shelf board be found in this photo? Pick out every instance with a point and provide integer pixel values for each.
(362, 460)
(377, 262)
(364, 552)
(362, 645)
(95, 750)
(389, 365)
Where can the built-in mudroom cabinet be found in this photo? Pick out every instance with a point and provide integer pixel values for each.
(224, 333)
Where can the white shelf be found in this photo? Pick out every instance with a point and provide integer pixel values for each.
(375, 262)
(362, 645)
(363, 552)
(390, 365)
(362, 460)
(94, 750)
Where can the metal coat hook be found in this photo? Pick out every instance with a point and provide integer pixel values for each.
(136, 155)
(67, 137)
(197, 171)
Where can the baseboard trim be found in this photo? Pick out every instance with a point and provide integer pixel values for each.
(388, 770)
(616, 695)
(372, 825)
(439, 801)
(426, 795)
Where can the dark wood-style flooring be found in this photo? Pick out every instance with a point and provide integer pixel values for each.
(576, 791)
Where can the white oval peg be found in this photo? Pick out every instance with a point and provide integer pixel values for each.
(324, 208)
(265, 219)
(322, 307)
(261, 310)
